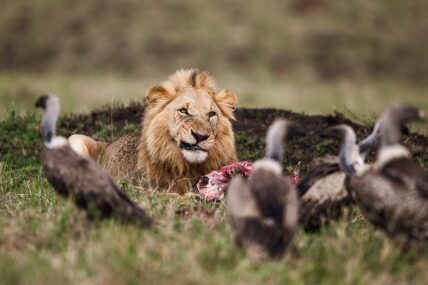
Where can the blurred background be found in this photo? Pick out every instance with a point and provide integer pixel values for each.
(312, 56)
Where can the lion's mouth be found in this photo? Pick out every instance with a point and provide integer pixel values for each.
(190, 147)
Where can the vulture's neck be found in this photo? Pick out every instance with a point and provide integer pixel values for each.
(366, 144)
(348, 152)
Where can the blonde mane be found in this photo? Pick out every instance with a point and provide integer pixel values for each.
(159, 157)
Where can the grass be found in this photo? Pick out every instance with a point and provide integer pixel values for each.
(272, 54)
(44, 239)
(298, 92)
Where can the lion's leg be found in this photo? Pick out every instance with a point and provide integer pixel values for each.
(180, 186)
(86, 146)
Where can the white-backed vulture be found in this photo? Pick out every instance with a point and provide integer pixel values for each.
(393, 193)
(263, 209)
(72, 175)
(322, 191)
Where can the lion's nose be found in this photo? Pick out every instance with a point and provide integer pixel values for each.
(199, 137)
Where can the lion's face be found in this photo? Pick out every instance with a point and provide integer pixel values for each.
(193, 123)
(186, 131)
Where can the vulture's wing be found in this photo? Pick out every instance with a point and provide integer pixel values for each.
(240, 200)
(290, 210)
(98, 187)
(278, 204)
(270, 193)
(242, 211)
(323, 167)
(90, 186)
(324, 201)
(57, 169)
(252, 227)
(406, 172)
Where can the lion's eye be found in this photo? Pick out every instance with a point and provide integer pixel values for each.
(183, 111)
(211, 114)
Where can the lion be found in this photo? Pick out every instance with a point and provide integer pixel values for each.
(186, 133)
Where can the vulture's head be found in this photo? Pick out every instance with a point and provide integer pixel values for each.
(402, 113)
(340, 132)
(42, 101)
(393, 120)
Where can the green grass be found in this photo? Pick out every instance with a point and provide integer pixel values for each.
(307, 56)
(44, 239)
(299, 92)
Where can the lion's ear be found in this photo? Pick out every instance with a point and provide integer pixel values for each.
(158, 95)
(226, 101)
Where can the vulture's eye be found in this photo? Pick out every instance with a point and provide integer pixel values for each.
(183, 111)
(211, 114)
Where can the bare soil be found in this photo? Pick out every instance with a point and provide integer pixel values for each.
(250, 128)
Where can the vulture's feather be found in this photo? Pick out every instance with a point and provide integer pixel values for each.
(322, 191)
(81, 178)
(263, 209)
(393, 193)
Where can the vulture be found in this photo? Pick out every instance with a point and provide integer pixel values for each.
(81, 178)
(393, 193)
(322, 191)
(263, 208)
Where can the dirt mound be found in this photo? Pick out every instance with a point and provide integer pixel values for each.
(117, 117)
(250, 128)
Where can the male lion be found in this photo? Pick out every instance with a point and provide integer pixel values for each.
(186, 133)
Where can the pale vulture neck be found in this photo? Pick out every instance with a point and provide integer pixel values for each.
(348, 151)
(390, 131)
(275, 140)
(50, 118)
(366, 144)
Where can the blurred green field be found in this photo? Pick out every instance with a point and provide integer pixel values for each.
(361, 100)
(331, 38)
(310, 56)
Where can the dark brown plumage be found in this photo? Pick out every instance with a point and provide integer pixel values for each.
(392, 194)
(81, 178)
(393, 197)
(322, 192)
(263, 209)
